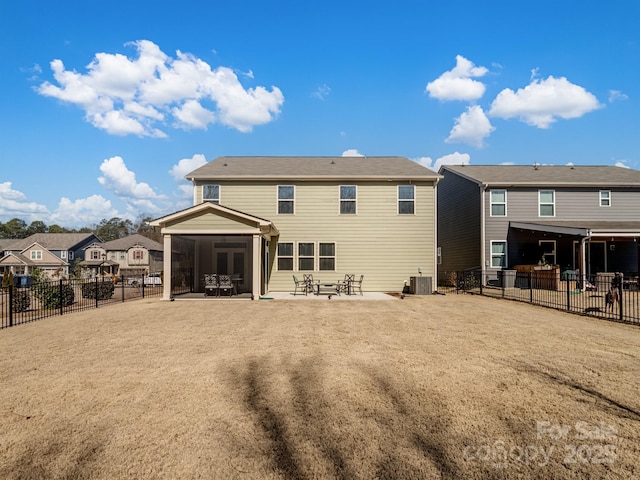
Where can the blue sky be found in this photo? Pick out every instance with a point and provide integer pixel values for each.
(105, 106)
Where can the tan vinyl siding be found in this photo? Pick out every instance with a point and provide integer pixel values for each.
(209, 221)
(387, 248)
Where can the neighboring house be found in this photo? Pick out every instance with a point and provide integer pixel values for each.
(131, 255)
(266, 219)
(52, 253)
(584, 218)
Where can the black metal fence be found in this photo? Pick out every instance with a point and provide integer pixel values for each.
(29, 302)
(604, 295)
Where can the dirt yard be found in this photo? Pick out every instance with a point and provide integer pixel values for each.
(426, 387)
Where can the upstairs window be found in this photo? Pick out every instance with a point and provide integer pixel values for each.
(347, 200)
(286, 199)
(605, 198)
(95, 255)
(138, 254)
(36, 254)
(547, 203)
(406, 199)
(285, 256)
(211, 193)
(498, 203)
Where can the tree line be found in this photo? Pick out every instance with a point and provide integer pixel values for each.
(105, 230)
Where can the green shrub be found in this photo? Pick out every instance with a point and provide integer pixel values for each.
(21, 300)
(104, 290)
(49, 295)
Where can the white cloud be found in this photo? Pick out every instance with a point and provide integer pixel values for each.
(83, 211)
(126, 96)
(321, 92)
(122, 181)
(424, 161)
(542, 102)
(451, 159)
(14, 203)
(471, 127)
(458, 83)
(622, 163)
(617, 95)
(507, 163)
(187, 165)
(352, 152)
(193, 115)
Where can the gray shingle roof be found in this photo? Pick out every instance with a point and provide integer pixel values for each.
(51, 241)
(323, 168)
(129, 241)
(548, 175)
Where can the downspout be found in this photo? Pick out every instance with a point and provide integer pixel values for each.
(435, 234)
(483, 189)
(583, 268)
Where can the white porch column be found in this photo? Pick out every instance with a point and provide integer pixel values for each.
(257, 265)
(166, 267)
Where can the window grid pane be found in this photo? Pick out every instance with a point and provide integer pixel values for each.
(211, 192)
(285, 256)
(405, 207)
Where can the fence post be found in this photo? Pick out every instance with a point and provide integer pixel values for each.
(482, 280)
(568, 292)
(96, 289)
(122, 287)
(60, 295)
(143, 285)
(620, 300)
(530, 288)
(10, 305)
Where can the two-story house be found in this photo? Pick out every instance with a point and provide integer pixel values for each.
(51, 253)
(131, 255)
(265, 219)
(581, 218)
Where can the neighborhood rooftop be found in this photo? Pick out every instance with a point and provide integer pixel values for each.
(312, 167)
(548, 175)
(50, 241)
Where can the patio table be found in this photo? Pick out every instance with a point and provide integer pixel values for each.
(328, 287)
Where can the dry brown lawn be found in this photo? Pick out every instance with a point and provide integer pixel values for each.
(426, 387)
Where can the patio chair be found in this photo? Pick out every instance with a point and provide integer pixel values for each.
(300, 285)
(346, 284)
(357, 284)
(225, 284)
(308, 280)
(210, 284)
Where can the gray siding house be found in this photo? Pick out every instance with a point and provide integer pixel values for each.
(581, 218)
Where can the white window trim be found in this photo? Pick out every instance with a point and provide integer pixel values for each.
(292, 257)
(540, 242)
(35, 255)
(540, 204)
(492, 203)
(63, 254)
(298, 257)
(285, 200)
(334, 256)
(398, 199)
(601, 198)
(505, 254)
(212, 199)
(340, 200)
